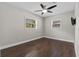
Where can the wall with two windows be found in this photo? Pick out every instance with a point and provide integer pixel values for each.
(13, 28)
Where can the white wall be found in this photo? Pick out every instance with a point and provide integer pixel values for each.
(66, 32)
(12, 28)
(77, 30)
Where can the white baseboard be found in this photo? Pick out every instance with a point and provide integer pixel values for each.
(7, 46)
(11, 45)
(60, 39)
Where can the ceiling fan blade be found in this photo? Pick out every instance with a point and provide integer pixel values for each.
(42, 13)
(38, 10)
(52, 7)
(50, 11)
(42, 6)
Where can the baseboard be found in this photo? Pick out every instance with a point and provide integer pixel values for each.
(7, 46)
(59, 39)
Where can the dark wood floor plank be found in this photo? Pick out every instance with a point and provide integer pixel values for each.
(43, 47)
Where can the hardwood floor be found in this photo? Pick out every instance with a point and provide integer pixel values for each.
(43, 47)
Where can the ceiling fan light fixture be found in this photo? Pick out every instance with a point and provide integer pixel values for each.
(44, 11)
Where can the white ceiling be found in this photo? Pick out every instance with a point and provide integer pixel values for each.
(62, 7)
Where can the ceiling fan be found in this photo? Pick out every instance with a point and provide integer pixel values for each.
(44, 9)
